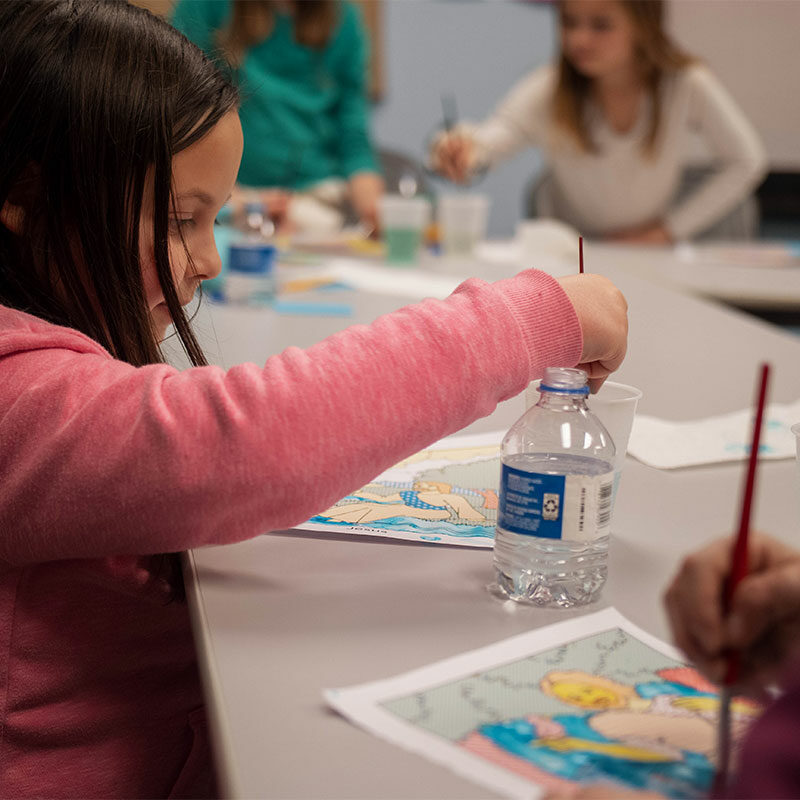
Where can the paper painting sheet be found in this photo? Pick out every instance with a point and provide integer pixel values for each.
(666, 444)
(590, 700)
(445, 494)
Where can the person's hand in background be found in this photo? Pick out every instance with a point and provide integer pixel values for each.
(274, 201)
(763, 623)
(366, 189)
(454, 155)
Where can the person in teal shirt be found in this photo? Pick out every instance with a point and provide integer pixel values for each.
(301, 68)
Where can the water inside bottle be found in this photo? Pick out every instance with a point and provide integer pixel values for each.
(552, 572)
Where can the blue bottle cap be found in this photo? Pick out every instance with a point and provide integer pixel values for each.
(564, 380)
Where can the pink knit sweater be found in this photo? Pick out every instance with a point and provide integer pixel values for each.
(102, 464)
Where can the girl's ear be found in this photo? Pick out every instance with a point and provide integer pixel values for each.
(12, 217)
(22, 197)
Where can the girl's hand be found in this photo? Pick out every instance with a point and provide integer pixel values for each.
(453, 155)
(603, 314)
(764, 620)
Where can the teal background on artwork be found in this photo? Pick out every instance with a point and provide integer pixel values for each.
(511, 690)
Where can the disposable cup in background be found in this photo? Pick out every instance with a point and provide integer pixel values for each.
(615, 406)
(403, 221)
(462, 222)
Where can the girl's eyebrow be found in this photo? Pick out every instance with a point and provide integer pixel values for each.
(199, 194)
(196, 194)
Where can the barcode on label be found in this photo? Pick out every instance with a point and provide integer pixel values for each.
(604, 504)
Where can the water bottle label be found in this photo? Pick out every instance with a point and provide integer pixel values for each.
(575, 508)
(253, 258)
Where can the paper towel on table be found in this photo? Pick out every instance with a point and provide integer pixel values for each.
(666, 444)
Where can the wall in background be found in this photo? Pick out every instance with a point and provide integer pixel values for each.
(752, 46)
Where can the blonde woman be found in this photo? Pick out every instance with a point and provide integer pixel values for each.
(613, 117)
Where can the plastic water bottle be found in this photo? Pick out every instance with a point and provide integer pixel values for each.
(554, 514)
(251, 267)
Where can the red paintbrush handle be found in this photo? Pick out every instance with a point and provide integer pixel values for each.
(739, 556)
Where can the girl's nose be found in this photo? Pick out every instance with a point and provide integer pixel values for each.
(214, 263)
(209, 263)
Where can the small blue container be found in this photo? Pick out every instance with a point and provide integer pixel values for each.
(250, 278)
(253, 258)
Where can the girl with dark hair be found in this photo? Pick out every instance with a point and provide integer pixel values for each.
(302, 69)
(613, 118)
(120, 144)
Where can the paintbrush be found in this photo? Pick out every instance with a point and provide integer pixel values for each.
(449, 112)
(737, 572)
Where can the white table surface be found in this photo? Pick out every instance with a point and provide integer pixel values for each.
(703, 270)
(283, 616)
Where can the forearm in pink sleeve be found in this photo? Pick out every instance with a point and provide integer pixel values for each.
(126, 460)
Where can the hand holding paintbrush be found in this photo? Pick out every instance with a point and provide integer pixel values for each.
(453, 152)
(735, 610)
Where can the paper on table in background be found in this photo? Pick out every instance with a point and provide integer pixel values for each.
(445, 494)
(546, 244)
(349, 241)
(592, 699)
(377, 278)
(763, 254)
(382, 279)
(667, 444)
(511, 253)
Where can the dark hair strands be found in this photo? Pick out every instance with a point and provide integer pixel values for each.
(95, 96)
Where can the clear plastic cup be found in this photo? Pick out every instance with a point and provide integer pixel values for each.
(615, 406)
(403, 221)
(462, 222)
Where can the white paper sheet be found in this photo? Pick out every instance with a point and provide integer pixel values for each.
(666, 444)
(444, 494)
(590, 698)
(398, 281)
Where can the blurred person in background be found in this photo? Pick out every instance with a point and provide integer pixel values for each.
(301, 68)
(613, 117)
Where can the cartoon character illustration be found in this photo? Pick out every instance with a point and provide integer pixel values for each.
(430, 500)
(658, 735)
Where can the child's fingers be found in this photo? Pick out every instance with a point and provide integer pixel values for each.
(762, 602)
(694, 601)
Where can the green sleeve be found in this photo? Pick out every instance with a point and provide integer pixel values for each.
(200, 20)
(355, 150)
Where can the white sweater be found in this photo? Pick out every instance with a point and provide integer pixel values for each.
(619, 186)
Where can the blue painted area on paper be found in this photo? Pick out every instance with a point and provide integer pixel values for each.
(313, 309)
(424, 527)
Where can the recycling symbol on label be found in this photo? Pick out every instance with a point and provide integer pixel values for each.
(550, 506)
